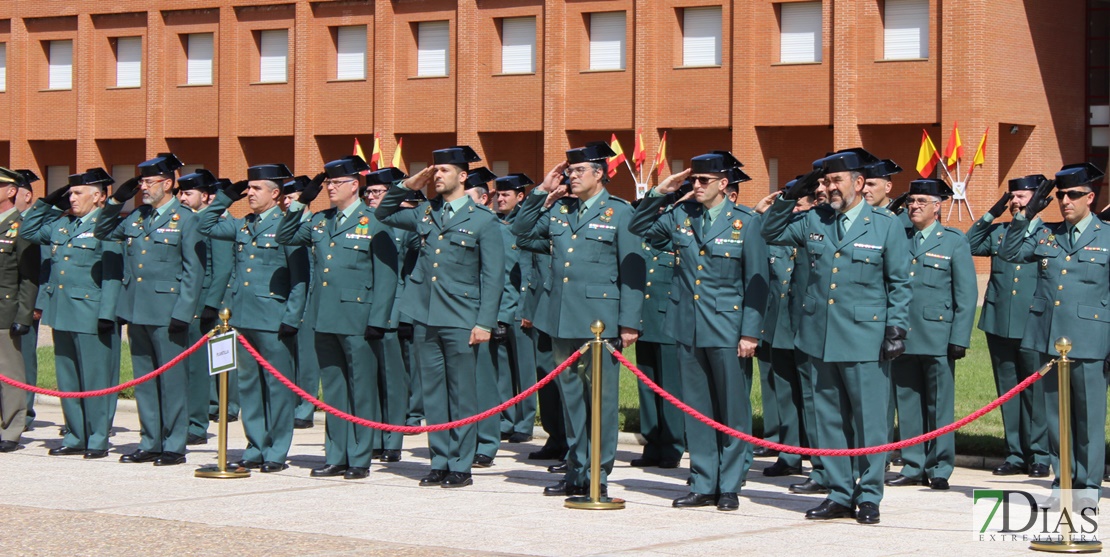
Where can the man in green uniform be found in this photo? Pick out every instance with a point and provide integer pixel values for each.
(716, 312)
(163, 258)
(941, 316)
(1003, 318)
(24, 200)
(453, 298)
(853, 317)
(597, 273)
(308, 373)
(1072, 300)
(82, 309)
(19, 276)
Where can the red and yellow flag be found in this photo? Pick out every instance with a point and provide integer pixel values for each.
(358, 150)
(375, 161)
(661, 158)
(954, 150)
(981, 153)
(638, 154)
(927, 157)
(399, 162)
(615, 160)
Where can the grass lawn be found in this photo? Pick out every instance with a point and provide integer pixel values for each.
(48, 380)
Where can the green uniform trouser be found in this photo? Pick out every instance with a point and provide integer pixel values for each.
(267, 405)
(30, 344)
(447, 367)
(214, 397)
(163, 417)
(416, 390)
(661, 423)
(86, 362)
(785, 386)
(308, 372)
(523, 353)
(850, 400)
(714, 383)
(926, 390)
(575, 387)
(548, 398)
(807, 381)
(893, 434)
(1023, 417)
(13, 401)
(349, 373)
(504, 358)
(1088, 422)
(769, 405)
(488, 372)
(200, 384)
(393, 391)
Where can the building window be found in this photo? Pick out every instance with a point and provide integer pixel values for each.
(701, 36)
(518, 45)
(3, 67)
(56, 177)
(432, 38)
(61, 65)
(273, 48)
(129, 62)
(122, 173)
(198, 52)
(800, 32)
(607, 36)
(500, 168)
(906, 29)
(350, 47)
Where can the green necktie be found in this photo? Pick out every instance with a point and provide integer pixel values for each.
(706, 223)
(920, 237)
(841, 226)
(342, 217)
(1074, 235)
(447, 212)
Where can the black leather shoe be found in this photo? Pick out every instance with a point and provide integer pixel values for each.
(828, 510)
(140, 456)
(8, 446)
(271, 467)
(809, 487)
(547, 453)
(457, 479)
(868, 513)
(505, 436)
(328, 471)
(1008, 469)
(57, 451)
(196, 440)
(483, 461)
(302, 424)
(96, 453)
(519, 438)
(558, 490)
(669, 464)
(560, 468)
(728, 502)
(376, 453)
(897, 461)
(248, 464)
(1042, 470)
(939, 484)
(232, 418)
(435, 477)
(584, 491)
(356, 473)
(900, 481)
(63, 431)
(764, 451)
(643, 462)
(391, 455)
(169, 459)
(780, 468)
(694, 500)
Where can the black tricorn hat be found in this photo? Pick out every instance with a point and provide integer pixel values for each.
(297, 184)
(1030, 182)
(735, 176)
(10, 177)
(92, 177)
(595, 151)
(346, 166)
(163, 164)
(882, 169)
(513, 182)
(714, 161)
(479, 177)
(28, 178)
(930, 186)
(459, 155)
(385, 176)
(202, 180)
(274, 172)
(1081, 174)
(845, 160)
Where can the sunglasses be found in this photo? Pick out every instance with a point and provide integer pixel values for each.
(1073, 195)
(705, 180)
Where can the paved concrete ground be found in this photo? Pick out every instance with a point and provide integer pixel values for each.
(70, 506)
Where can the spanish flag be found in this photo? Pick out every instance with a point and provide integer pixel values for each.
(358, 150)
(661, 158)
(376, 154)
(981, 153)
(927, 157)
(638, 154)
(398, 162)
(615, 160)
(954, 150)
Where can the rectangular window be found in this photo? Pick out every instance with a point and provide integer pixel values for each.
(906, 29)
(122, 173)
(518, 45)
(273, 48)
(607, 37)
(800, 32)
(433, 38)
(199, 50)
(129, 62)
(61, 65)
(350, 46)
(701, 36)
(500, 168)
(3, 67)
(56, 177)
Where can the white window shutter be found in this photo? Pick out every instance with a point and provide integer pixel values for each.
(129, 62)
(200, 50)
(351, 52)
(906, 31)
(274, 49)
(500, 168)
(701, 36)
(56, 177)
(433, 40)
(61, 65)
(3, 67)
(607, 40)
(801, 32)
(518, 45)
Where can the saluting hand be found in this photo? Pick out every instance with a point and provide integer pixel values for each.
(896, 205)
(747, 347)
(313, 189)
(478, 336)
(1041, 198)
(126, 190)
(766, 202)
(421, 179)
(560, 192)
(235, 191)
(673, 182)
(999, 206)
(554, 177)
(58, 198)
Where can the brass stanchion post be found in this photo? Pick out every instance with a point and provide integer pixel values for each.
(1066, 544)
(221, 471)
(595, 501)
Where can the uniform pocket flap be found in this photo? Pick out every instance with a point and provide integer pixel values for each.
(1039, 304)
(937, 313)
(1094, 313)
(815, 248)
(866, 314)
(728, 305)
(600, 235)
(865, 256)
(464, 240)
(725, 250)
(165, 286)
(1099, 257)
(353, 295)
(359, 246)
(168, 239)
(607, 291)
(84, 294)
(459, 289)
(937, 263)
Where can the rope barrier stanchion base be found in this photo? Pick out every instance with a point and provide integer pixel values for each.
(584, 503)
(214, 472)
(221, 471)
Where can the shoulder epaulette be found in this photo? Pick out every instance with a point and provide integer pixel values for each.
(954, 230)
(615, 198)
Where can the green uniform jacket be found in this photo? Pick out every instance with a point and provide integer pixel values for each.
(460, 273)
(19, 274)
(857, 287)
(1010, 289)
(720, 287)
(408, 250)
(510, 296)
(163, 264)
(942, 275)
(355, 270)
(597, 269)
(87, 272)
(217, 272)
(1072, 298)
(778, 324)
(271, 280)
(657, 292)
